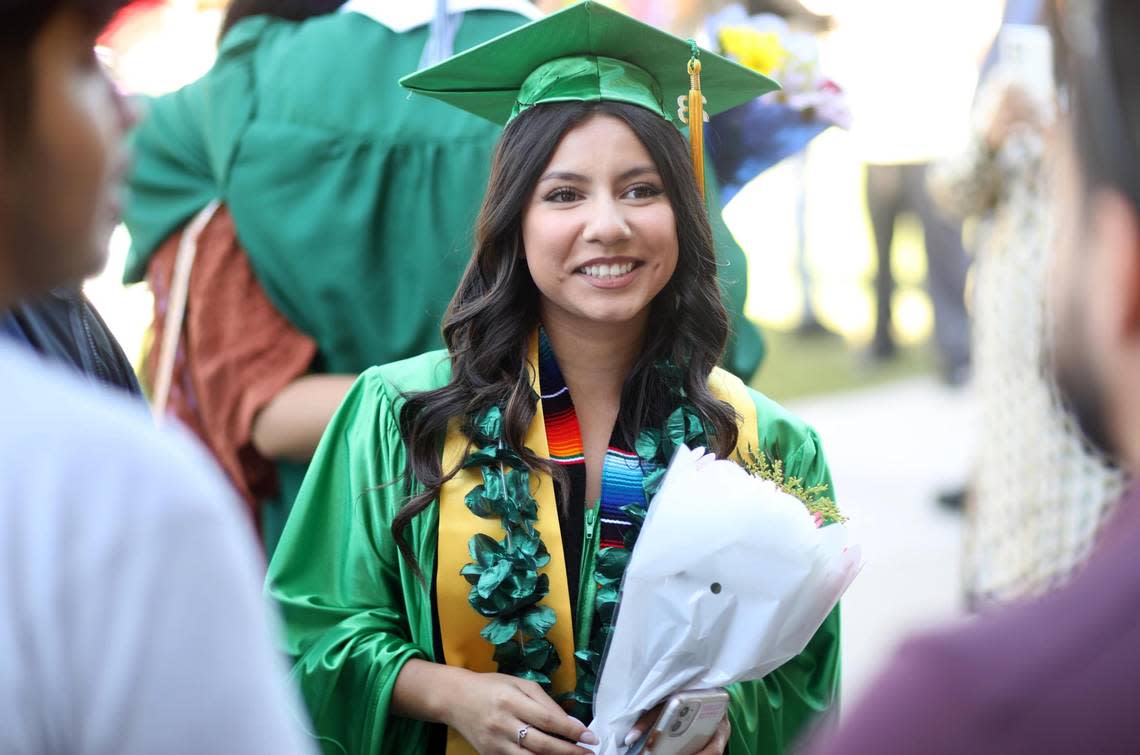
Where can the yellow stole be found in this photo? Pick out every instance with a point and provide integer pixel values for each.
(459, 623)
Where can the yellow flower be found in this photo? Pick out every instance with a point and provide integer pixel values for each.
(760, 51)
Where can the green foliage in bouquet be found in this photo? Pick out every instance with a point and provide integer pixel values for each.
(814, 499)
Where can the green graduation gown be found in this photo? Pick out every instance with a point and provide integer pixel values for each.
(354, 611)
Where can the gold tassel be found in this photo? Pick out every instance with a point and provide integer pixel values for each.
(697, 120)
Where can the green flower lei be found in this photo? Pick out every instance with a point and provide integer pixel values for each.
(505, 584)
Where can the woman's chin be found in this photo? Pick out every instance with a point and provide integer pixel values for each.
(623, 317)
(599, 310)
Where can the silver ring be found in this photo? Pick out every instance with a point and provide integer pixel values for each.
(522, 735)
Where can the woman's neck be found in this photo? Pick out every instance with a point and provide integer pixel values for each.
(595, 358)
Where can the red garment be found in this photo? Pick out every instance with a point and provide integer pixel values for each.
(236, 353)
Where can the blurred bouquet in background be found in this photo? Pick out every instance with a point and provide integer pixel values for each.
(746, 141)
(734, 571)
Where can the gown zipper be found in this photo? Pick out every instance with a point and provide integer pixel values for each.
(587, 587)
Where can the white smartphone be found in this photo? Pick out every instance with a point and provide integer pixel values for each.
(686, 725)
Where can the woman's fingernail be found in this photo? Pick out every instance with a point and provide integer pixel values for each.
(589, 737)
(633, 736)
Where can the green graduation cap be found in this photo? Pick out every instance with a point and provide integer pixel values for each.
(589, 52)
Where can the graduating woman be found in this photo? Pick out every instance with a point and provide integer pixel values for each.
(449, 574)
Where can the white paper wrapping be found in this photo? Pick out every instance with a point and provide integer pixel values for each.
(729, 579)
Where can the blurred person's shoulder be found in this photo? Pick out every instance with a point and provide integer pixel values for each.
(65, 442)
(129, 582)
(1054, 674)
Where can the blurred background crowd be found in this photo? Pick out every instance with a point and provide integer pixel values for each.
(896, 238)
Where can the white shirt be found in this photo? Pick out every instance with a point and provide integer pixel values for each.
(130, 588)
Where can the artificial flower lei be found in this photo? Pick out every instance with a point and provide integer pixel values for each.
(506, 586)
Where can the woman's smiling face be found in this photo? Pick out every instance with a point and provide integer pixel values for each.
(599, 233)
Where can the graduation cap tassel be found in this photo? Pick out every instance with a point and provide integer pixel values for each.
(697, 118)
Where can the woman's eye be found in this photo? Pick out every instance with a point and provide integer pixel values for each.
(564, 194)
(643, 191)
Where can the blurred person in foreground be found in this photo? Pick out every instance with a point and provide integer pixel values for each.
(64, 325)
(133, 621)
(1039, 497)
(1060, 674)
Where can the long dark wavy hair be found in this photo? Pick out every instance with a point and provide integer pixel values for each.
(495, 312)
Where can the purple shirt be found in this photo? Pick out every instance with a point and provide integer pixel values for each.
(1060, 674)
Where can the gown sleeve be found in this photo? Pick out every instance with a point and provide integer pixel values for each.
(346, 623)
(770, 715)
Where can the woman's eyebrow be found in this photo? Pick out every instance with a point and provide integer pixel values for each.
(565, 175)
(637, 170)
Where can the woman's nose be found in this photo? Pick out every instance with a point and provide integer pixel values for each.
(607, 224)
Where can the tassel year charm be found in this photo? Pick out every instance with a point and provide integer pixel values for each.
(692, 112)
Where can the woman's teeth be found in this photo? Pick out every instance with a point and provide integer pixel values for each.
(607, 271)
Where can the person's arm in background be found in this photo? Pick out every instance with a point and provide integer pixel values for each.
(292, 423)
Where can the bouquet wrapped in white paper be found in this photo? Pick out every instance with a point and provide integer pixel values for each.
(730, 578)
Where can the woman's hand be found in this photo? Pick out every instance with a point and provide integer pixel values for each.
(490, 710)
(716, 746)
(719, 742)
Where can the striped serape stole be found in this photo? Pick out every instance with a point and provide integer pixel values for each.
(622, 471)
